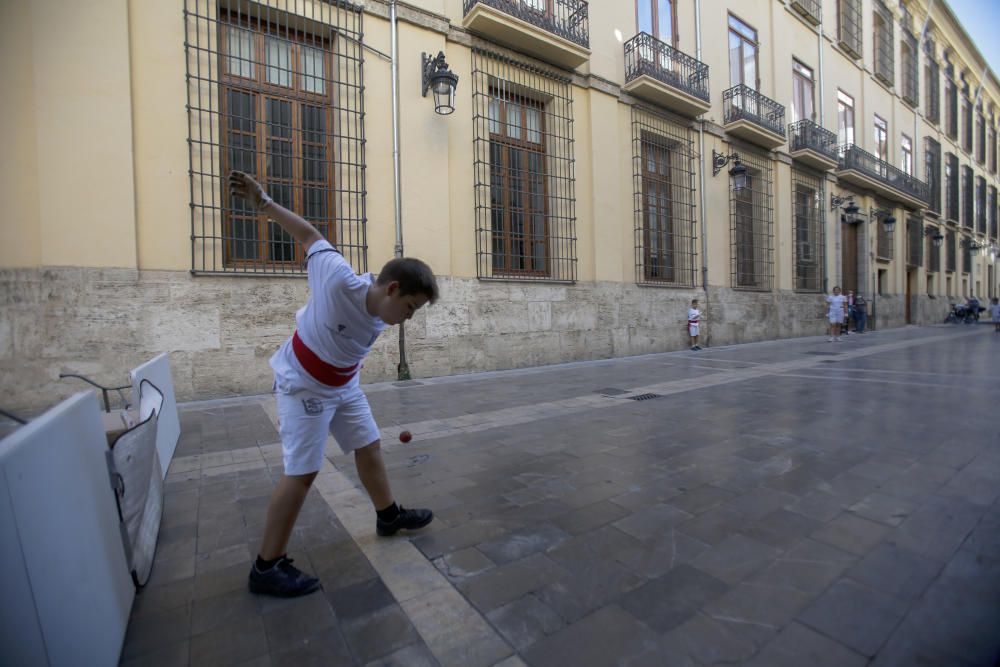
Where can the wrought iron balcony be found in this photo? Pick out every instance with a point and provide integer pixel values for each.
(746, 112)
(863, 168)
(809, 9)
(568, 19)
(644, 54)
(813, 144)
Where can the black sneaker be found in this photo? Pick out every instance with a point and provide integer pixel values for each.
(284, 580)
(406, 520)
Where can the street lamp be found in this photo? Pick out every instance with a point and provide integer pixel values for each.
(738, 172)
(437, 78)
(851, 214)
(937, 238)
(888, 219)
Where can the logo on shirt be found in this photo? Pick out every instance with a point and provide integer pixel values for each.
(312, 406)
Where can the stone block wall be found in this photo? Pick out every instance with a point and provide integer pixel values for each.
(220, 331)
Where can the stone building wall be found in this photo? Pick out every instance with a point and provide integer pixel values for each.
(220, 332)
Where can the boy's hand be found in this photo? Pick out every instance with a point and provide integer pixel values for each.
(243, 185)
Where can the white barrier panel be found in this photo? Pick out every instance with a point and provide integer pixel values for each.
(66, 587)
(168, 430)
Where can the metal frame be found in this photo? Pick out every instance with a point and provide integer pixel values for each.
(808, 229)
(751, 226)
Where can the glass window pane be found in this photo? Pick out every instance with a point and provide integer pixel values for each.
(645, 18)
(750, 65)
(313, 70)
(239, 46)
(279, 62)
(665, 21)
(735, 58)
(513, 120)
(533, 117)
(494, 115)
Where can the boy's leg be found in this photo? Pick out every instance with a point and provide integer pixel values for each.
(282, 511)
(355, 429)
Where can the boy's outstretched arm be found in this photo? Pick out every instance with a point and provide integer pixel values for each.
(243, 185)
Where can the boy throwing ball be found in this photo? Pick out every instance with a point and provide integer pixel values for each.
(316, 381)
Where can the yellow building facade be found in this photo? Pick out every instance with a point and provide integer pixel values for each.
(605, 163)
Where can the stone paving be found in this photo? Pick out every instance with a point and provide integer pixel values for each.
(778, 504)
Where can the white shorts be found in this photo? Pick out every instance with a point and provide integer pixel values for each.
(693, 329)
(836, 318)
(305, 419)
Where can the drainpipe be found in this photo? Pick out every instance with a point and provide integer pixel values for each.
(822, 117)
(403, 369)
(701, 177)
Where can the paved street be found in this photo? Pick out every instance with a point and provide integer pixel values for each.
(790, 503)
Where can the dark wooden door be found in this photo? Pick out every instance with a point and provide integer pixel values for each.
(849, 257)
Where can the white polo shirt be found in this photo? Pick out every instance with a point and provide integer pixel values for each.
(334, 323)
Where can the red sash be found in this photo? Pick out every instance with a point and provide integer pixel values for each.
(320, 370)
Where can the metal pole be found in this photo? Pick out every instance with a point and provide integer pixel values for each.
(403, 369)
(701, 177)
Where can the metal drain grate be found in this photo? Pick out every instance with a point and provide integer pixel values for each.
(644, 397)
(610, 391)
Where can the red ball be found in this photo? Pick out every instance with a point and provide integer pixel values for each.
(405, 436)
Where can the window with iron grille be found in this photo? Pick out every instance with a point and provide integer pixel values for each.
(968, 199)
(807, 212)
(932, 172)
(914, 242)
(966, 244)
(275, 91)
(849, 26)
(991, 206)
(993, 149)
(663, 160)
(525, 184)
(883, 43)
(933, 253)
(883, 238)
(751, 231)
(951, 187)
(980, 136)
(980, 204)
(933, 91)
(951, 247)
(908, 68)
(950, 100)
(967, 122)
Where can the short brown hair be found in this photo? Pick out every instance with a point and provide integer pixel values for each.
(413, 276)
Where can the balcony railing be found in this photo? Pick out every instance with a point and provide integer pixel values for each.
(853, 157)
(646, 55)
(810, 9)
(568, 19)
(807, 135)
(744, 103)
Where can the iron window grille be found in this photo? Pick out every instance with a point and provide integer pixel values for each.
(992, 207)
(884, 49)
(647, 55)
(933, 254)
(525, 201)
(743, 102)
(980, 136)
(950, 100)
(933, 90)
(808, 214)
(276, 91)
(980, 204)
(966, 122)
(951, 241)
(883, 238)
(914, 242)
(951, 187)
(849, 26)
(810, 9)
(966, 254)
(993, 149)
(968, 205)
(664, 160)
(569, 19)
(932, 171)
(908, 68)
(752, 221)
